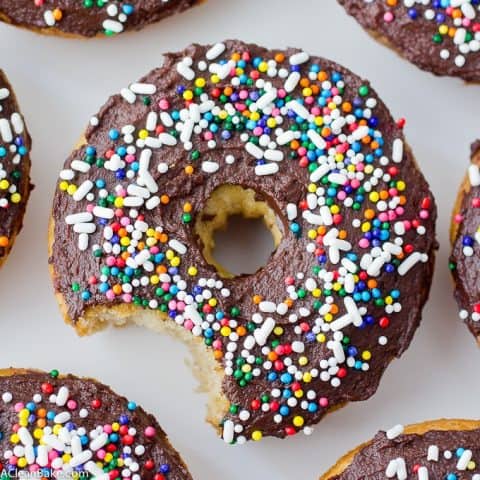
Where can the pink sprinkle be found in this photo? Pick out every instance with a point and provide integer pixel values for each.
(458, 218)
(150, 432)
(101, 454)
(163, 104)
(424, 214)
(127, 298)
(383, 217)
(323, 402)
(180, 306)
(388, 17)
(399, 210)
(125, 221)
(341, 195)
(90, 207)
(110, 295)
(188, 324)
(110, 261)
(172, 304)
(363, 243)
(71, 404)
(19, 406)
(281, 93)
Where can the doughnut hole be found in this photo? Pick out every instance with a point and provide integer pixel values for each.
(234, 214)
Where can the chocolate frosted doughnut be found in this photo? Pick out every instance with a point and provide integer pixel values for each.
(15, 184)
(296, 140)
(465, 236)
(88, 18)
(439, 36)
(56, 426)
(435, 450)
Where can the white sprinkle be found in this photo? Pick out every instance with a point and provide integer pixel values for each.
(84, 228)
(337, 178)
(320, 172)
(143, 88)
(266, 99)
(391, 470)
(62, 417)
(167, 139)
(133, 201)
(152, 202)
(353, 311)
(432, 454)
(103, 212)
(394, 432)
(292, 211)
(254, 150)
(17, 122)
(185, 71)
(397, 150)
(299, 109)
(267, 169)
(166, 119)
(285, 137)
(137, 191)
(316, 139)
(49, 18)
(409, 262)
(228, 431)
(128, 95)
(291, 82)
(54, 442)
(151, 122)
(326, 215)
(210, 167)
(360, 132)
(474, 175)
(261, 334)
(5, 130)
(177, 246)
(25, 436)
(81, 458)
(81, 217)
(464, 460)
(338, 351)
(112, 26)
(99, 442)
(4, 93)
(422, 473)
(215, 51)
(192, 314)
(82, 190)
(298, 347)
(268, 307)
(468, 10)
(67, 174)
(273, 155)
(298, 58)
(80, 166)
(187, 130)
(401, 469)
(83, 241)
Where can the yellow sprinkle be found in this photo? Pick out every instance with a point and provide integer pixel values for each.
(366, 355)
(257, 435)
(298, 421)
(192, 271)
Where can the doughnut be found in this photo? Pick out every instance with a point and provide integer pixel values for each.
(434, 450)
(15, 145)
(62, 426)
(441, 37)
(465, 237)
(88, 18)
(298, 141)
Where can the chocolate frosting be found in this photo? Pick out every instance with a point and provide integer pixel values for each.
(372, 461)
(414, 32)
(15, 185)
(77, 19)
(277, 342)
(139, 447)
(465, 257)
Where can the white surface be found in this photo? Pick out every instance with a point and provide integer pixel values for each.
(60, 83)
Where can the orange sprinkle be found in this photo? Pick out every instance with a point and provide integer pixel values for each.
(279, 57)
(189, 169)
(369, 214)
(165, 199)
(257, 299)
(4, 241)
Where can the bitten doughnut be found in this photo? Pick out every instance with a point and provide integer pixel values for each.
(465, 236)
(88, 18)
(62, 426)
(15, 184)
(439, 36)
(296, 140)
(434, 450)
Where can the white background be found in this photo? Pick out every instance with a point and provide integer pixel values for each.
(60, 83)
